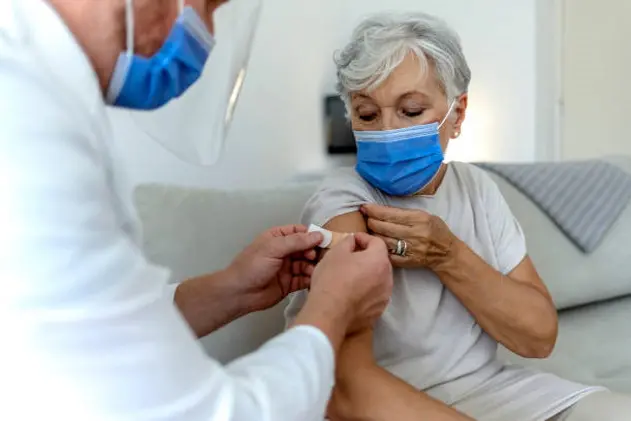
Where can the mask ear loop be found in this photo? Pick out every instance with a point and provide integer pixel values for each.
(180, 5)
(451, 108)
(129, 22)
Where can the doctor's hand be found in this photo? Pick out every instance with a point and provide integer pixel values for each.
(355, 278)
(280, 261)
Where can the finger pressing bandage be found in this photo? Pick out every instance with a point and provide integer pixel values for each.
(331, 238)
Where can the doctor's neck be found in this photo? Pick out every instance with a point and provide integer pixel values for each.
(99, 28)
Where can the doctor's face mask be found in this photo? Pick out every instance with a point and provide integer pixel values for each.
(192, 83)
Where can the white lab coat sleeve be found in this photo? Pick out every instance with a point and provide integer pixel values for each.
(89, 332)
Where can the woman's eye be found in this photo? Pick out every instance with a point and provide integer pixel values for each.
(413, 113)
(367, 117)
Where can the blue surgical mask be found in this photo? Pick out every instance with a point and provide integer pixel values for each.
(400, 162)
(141, 83)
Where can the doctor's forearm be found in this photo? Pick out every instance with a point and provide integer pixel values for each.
(210, 302)
(516, 314)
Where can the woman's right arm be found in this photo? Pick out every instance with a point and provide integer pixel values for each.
(364, 391)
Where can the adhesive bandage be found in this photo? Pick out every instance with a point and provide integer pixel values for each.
(331, 238)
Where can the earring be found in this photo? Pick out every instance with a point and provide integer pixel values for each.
(456, 134)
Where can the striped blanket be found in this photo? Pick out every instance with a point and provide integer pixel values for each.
(584, 199)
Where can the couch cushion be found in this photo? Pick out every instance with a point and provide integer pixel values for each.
(575, 278)
(195, 231)
(594, 346)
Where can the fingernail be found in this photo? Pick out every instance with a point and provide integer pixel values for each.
(315, 236)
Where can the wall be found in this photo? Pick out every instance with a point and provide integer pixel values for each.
(596, 89)
(278, 132)
(549, 81)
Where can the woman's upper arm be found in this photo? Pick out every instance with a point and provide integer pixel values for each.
(349, 222)
(334, 206)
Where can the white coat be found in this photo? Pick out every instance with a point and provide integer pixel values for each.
(89, 328)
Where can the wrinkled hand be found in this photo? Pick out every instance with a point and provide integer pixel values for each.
(279, 262)
(429, 240)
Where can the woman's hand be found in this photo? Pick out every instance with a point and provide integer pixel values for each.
(428, 240)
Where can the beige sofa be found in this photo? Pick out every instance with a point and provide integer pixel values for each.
(196, 231)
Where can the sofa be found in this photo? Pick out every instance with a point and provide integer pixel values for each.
(194, 231)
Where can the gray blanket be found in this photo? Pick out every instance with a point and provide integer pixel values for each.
(583, 199)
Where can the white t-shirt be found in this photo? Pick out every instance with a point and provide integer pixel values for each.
(426, 336)
(89, 329)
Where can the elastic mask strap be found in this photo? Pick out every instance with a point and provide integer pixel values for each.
(129, 23)
(180, 5)
(451, 108)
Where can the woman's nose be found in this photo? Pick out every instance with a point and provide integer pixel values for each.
(390, 120)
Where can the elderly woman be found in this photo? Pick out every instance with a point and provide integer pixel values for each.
(464, 279)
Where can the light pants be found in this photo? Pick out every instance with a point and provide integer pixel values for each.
(599, 406)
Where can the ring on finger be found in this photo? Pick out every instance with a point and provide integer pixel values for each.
(402, 248)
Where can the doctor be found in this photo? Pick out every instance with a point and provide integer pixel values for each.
(90, 329)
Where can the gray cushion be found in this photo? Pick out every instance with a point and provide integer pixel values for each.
(194, 231)
(575, 278)
(594, 346)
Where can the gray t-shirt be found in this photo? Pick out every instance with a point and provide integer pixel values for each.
(426, 336)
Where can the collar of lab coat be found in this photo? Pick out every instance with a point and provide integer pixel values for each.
(34, 29)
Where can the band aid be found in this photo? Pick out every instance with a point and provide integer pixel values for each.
(331, 238)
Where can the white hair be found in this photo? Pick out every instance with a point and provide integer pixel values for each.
(380, 43)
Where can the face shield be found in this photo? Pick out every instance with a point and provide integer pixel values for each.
(194, 127)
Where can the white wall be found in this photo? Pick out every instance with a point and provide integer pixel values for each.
(278, 131)
(596, 88)
(549, 82)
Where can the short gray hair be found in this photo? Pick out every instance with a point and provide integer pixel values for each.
(380, 43)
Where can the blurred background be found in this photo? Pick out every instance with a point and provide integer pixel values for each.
(549, 83)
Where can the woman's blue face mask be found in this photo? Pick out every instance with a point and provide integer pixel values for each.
(401, 162)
